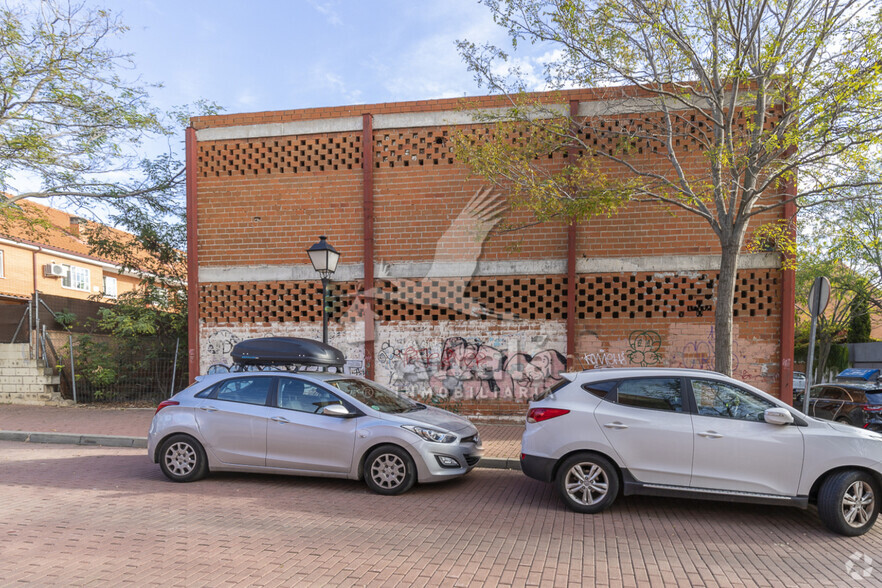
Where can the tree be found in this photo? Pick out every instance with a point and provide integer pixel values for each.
(847, 289)
(762, 89)
(859, 324)
(850, 231)
(67, 117)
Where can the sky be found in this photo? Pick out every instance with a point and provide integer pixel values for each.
(278, 55)
(266, 55)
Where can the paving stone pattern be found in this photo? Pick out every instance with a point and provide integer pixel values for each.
(95, 516)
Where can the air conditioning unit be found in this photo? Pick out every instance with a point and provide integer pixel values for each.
(54, 270)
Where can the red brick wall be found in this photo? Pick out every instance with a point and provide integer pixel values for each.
(265, 201)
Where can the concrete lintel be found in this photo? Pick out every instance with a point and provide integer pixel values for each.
(404, 120)
(300, 127)
(672, 263)
(455, 269)
(286, 273)
(408, 120)
(521, 267)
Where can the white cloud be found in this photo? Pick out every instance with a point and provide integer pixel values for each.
(328, 10)
(246, 97)
(431, 67)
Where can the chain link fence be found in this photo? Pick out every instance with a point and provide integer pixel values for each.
(106, 370)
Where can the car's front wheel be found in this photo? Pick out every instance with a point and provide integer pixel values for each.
(389, 470)
(182, 459)
(588, 483)
(848, 502)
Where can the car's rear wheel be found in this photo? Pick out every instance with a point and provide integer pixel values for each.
(389, 470)
(848, 502)
(182, 459)
(587, 483)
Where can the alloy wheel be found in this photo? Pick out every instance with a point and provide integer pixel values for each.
(586, 483)
(858, 503)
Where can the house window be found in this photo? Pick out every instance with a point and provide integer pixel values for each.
(2, 274)
(75, 278)
(110, 287)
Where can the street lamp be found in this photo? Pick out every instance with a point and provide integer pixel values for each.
(324, 260)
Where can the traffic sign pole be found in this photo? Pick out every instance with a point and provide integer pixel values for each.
(818, 298)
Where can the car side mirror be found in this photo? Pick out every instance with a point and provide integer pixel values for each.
(778, 416)
(337, 410)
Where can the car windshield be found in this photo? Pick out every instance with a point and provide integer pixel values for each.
(375, 396)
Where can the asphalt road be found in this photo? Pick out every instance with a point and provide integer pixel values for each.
(97, 516)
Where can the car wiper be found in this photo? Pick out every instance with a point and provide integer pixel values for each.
(417, 406)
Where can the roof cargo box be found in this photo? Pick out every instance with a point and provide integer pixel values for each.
(285, 351)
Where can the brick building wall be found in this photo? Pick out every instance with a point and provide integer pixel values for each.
(478, 326)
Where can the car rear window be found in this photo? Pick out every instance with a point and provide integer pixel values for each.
(600, 389)
(874, 397)
(551, 390)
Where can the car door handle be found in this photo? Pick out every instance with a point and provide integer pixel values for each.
(208, 408)
(710, 435)
(279, 419)
(616, 425)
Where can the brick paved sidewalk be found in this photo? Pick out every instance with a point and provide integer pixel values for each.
(500, 440)
(106, 516)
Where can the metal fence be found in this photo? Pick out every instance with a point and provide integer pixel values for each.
(105, 370)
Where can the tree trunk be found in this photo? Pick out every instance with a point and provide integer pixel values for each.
(723, 324)
(825, 342)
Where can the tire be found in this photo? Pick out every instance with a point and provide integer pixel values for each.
(389, 470)
(587, 483)
(848, 502)
(182, 459)
(843, 420)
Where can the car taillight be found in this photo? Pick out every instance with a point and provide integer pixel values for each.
(165, 403)
(537, 415)
(872, 407)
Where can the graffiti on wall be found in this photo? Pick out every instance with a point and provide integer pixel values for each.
(644, 348)
(219, 345)
(699, 354)
(470, 369)
(605, 359)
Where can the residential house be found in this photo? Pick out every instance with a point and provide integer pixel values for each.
(45, 250)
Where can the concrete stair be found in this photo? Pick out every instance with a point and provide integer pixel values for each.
(27, 381)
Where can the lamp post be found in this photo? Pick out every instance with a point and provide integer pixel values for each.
(324, 260)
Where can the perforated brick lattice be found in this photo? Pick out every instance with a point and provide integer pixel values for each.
(600, 296)
(648, 295)
(522, 297)
(312, 153)
(408, 148)
(261, 302)
(635, 135)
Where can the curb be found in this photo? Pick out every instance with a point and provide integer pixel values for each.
(74, 439)
(495, 463)
(499, 463)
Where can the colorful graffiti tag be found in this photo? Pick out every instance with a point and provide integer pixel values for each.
(470, 369)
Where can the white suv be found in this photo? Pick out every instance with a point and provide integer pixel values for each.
(693, 433)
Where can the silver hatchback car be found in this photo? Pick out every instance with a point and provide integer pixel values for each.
(309, 424)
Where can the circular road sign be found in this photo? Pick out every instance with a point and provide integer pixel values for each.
(819, 296)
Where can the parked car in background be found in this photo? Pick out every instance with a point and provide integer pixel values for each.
(798, 382)
(694, 433)
(307, 423)
(854, 403)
